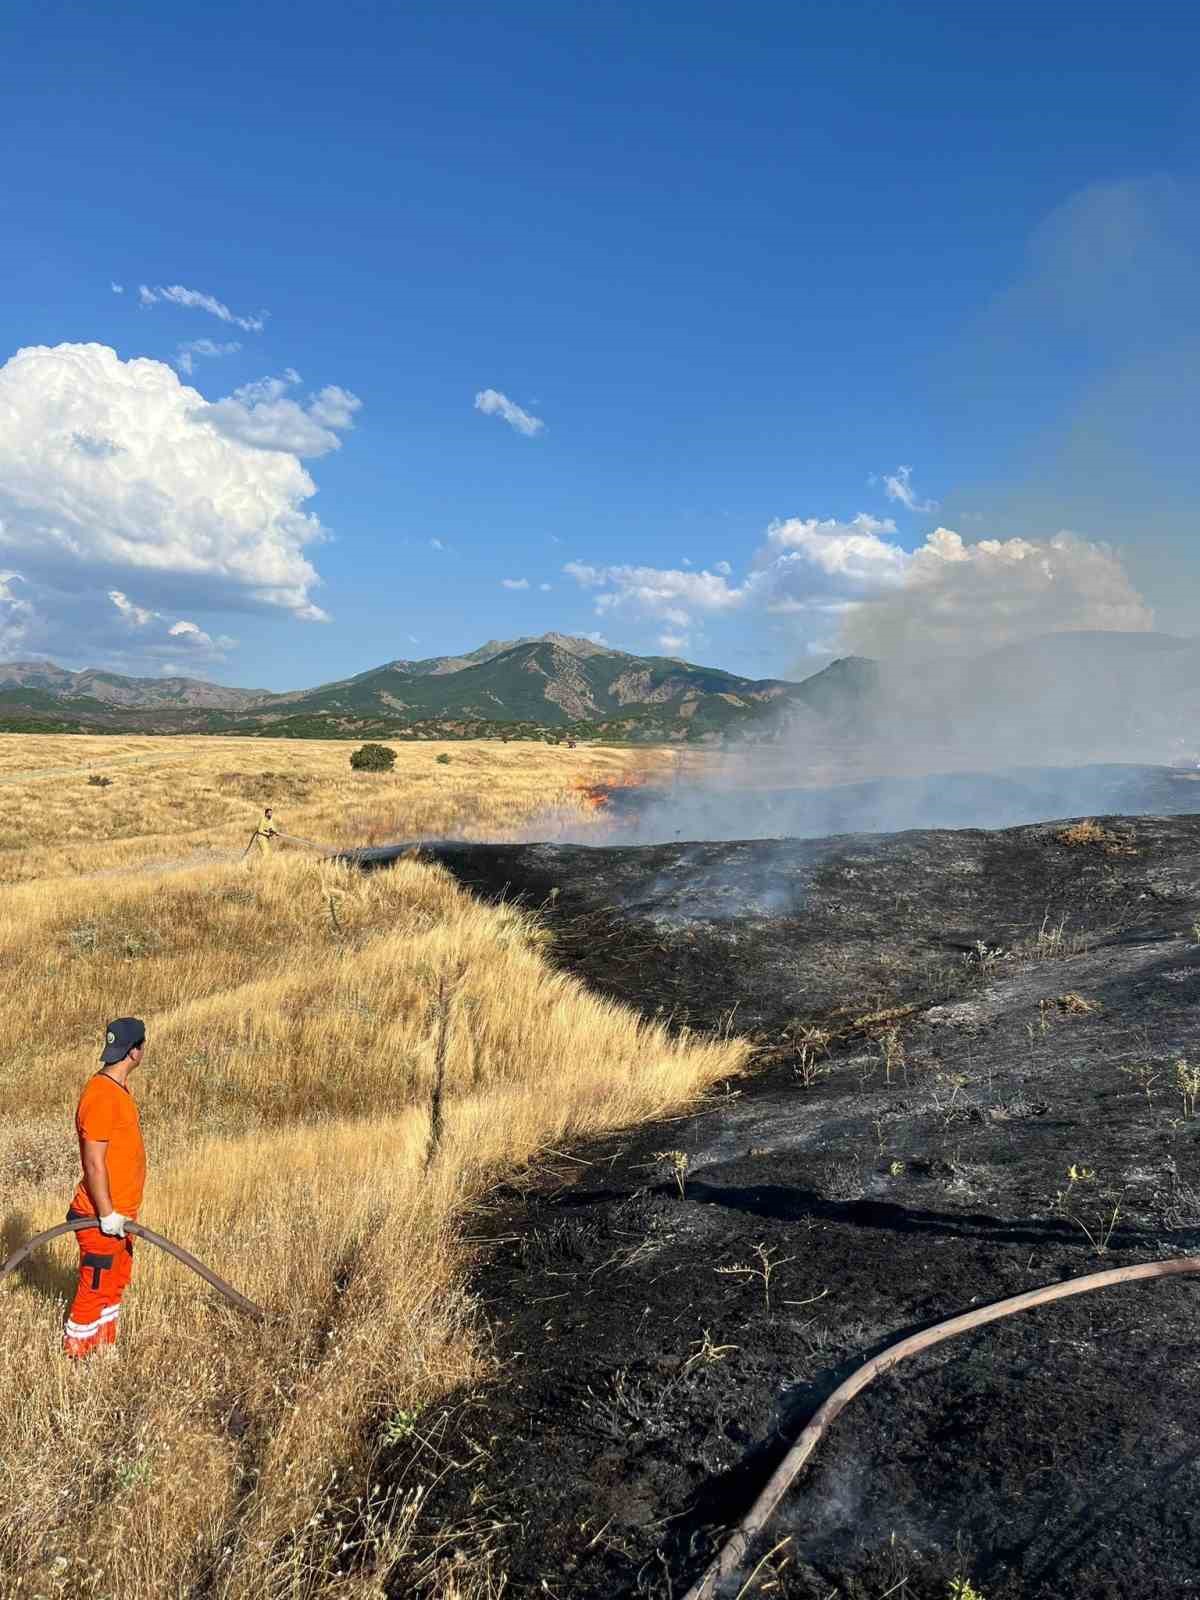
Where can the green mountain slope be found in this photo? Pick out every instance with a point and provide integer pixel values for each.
(114, 689)
(538, 678)
(524, 687)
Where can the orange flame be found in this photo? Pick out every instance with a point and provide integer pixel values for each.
(596, 796)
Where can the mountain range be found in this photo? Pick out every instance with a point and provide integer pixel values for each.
(515, 686)
(1062, 698)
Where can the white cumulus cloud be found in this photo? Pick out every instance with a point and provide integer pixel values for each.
(196, 300)
(803, 562)
(115, 476)
(514, 583)
(665, 593)
(262, 414)
(494, 404)
(668, 595)
(860, 551)
(947, 595)
(18, 619)
(137, 616)
(189, 631)
(158, 636)
(188, 351)
(334, 407)
(856, 576)
(898, 486)
(962, 598)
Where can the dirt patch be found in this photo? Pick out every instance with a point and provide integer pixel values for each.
(669, 1309)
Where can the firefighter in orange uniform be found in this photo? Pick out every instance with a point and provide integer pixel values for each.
(110, 1190)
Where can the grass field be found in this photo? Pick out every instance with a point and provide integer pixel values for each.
(300, 1015)
(171, 800)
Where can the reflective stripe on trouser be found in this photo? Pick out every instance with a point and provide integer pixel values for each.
(105, 1266)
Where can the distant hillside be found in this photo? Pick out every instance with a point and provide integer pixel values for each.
(110, 688)
(557, 682)
(1063, 698)
(548, 680)
(524, 687)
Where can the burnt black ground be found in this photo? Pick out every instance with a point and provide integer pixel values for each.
(643, 1394)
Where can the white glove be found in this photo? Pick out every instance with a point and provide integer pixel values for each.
(113, 1225)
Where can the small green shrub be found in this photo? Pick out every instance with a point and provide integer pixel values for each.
(373, 758)
(83, 938)
(399, 1427)
(963, 1589)
(443, 760)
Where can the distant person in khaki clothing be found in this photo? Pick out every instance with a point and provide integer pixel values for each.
(113, 1158)
(265, 832)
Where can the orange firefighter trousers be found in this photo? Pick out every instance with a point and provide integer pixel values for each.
(105, 1267)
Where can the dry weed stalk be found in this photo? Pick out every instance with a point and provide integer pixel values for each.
(706, 1353)
(1187, 1080)
(678, 1161)
(768, 1264)
(807, 1068)
(891, 1049)
(1144, 1075)
(1097, 1224)
(1050, 941)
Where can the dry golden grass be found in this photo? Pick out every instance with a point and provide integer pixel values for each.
(180, 799)
(300, 1016)
(1075, 1005)
(1088, 834)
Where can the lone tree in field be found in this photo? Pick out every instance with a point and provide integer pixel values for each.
(373, 758)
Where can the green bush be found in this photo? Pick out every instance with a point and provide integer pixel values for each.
(373, 758)
(443, 759)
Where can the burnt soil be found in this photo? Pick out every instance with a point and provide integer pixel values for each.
(948, 1022)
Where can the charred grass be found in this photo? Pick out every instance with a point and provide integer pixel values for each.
(989, 1091)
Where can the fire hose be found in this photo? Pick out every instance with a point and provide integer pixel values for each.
(293, 838)
(733, 1554)
(140, 1231)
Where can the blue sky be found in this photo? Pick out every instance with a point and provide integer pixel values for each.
(742, 263)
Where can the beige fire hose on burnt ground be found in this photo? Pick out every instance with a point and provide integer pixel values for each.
(292, 838)
(139, 1231)
(734, 1553)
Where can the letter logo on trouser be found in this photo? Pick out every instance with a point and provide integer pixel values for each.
(105, 1267)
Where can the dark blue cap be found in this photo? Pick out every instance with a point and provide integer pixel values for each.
(120, 1037)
